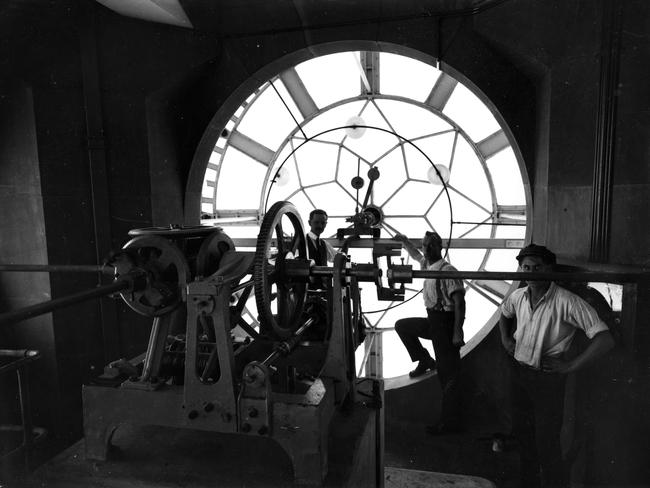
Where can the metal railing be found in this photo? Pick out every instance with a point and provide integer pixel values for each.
(19, 361)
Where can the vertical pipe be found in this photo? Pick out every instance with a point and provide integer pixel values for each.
(26, 414)
(376, 356)
(364, 367)
(605, 131)
(97, 168)
(378, 395)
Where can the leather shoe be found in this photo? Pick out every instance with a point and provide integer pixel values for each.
(423, 366)
(442, 428)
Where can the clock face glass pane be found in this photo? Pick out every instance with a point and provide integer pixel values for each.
(331, 78)
(416, 85)
(445, 161)
(468, 111)
(255, 124)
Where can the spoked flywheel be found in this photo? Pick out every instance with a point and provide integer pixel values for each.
(280, 301)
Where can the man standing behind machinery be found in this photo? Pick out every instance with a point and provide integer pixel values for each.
(320, 251)
(444, 300)
(547, 317)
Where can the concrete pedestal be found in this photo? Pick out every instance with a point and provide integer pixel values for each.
(161, 457)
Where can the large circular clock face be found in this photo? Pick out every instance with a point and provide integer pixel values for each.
(305, 134)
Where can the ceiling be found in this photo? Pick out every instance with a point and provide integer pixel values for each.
(241, 17)
(245, 17)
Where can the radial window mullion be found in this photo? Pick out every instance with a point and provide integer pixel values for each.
(458, 192)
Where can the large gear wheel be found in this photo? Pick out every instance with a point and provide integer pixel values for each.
(274, 248)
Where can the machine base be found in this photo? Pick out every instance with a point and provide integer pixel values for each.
(155, 456)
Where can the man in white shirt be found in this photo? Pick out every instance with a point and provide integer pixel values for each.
(547, 318)
(444, 300)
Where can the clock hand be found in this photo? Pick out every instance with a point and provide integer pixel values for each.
(373, 175)
(357, 183)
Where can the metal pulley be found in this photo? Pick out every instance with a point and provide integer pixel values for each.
(165, 268)
(211, 252)
(169, 257)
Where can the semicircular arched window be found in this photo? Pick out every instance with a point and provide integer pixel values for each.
(305, 133)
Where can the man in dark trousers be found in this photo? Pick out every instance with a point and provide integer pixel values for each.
(444, 300)
(547, 318)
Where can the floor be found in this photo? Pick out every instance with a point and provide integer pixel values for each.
(413, 459)
(408, 446)
(410, 478)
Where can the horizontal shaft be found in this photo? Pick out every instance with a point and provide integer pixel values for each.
(57, 303)
(57, 268)
(20, 357)
(573, 276)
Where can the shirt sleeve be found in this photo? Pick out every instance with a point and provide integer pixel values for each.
(508, 306)
(583, 316)
(453, 285)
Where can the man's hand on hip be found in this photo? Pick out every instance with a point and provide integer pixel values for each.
(556, 365)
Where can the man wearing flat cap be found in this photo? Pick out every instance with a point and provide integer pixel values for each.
(547, 318)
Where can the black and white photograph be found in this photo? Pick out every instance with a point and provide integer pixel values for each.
(324, 243)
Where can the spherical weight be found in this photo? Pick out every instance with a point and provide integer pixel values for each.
(357, 182)
(355, 127)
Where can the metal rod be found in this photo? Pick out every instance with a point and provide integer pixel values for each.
(51, 305)
(26, 414)
(523, 222)
(243, 285)
(19, 353)
(58, 268)
(23, 356)
(271, 357)
(574, 276)
(148, 361)
(368, 346)
(606, 125)
(368, 243)
(321, 271)
(97, 166)
(304, 327)
(286, 346)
